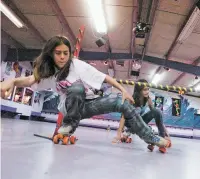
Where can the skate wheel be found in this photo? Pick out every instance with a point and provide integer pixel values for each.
(123, 139)
(129, 140)
(55, 139)
(162, 149)
(72, 139)
(65, 140)
(170, 144)
(150, 147)
(60, 136)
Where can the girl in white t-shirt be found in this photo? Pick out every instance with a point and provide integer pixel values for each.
(75, 80)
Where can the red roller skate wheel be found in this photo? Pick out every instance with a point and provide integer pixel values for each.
(162, 149)
(123, 139)
(65, 140)
(55, 139)
(60, 136)
(129, 140)
(72, 139)
(150, 147)
(170, 144)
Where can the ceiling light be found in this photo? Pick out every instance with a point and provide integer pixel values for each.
(197, 88)
(156, 79)
(166, 68)
(97, 13)
(10, 15)
(105, 63)
(137, 64)
(190, 25)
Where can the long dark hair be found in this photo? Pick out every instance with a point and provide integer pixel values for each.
(44, 66)
(137, 94)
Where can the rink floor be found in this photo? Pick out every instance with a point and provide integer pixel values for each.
(25, 156)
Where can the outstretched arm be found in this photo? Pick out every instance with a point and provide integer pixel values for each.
(114, 83)
(121, 125)
(120, 129)
(8, 85)
(24, 81)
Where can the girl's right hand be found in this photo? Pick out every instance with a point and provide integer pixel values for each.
(116, 139)
(6, 88)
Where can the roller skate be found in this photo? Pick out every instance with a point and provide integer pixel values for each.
(170, 142)
(126, 137)
(158, 141)
(151, 147)
(162, 148)
(64, 136)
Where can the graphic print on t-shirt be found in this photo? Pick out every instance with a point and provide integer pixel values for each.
(61, 86)
(82, 72)
(79, 71)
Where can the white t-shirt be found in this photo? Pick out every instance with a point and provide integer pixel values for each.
(79, 71)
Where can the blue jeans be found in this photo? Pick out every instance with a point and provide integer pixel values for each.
(78, 108)
(157, 115)
(149, 116)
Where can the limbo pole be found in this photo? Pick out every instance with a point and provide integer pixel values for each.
(78, 41)
(161, 87)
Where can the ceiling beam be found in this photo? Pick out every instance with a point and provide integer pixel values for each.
(151, 22)
(29, 25)
(195, 63)
(150, 18)
(194, 86)
(184, 32)
(147, 17)
(30, 54)
(132, 44)
(10, 40)
(63, 20)
(140, 9)
(107, 45)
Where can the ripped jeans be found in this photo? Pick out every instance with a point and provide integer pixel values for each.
(149, 116)
(75, 108)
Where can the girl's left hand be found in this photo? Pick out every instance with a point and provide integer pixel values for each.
(126, 95)
(150, 102)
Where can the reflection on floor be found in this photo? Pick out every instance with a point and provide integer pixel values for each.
(92, 157)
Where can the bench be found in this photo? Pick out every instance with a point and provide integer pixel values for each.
(7, 111)
(36, 116)
(50, 111)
